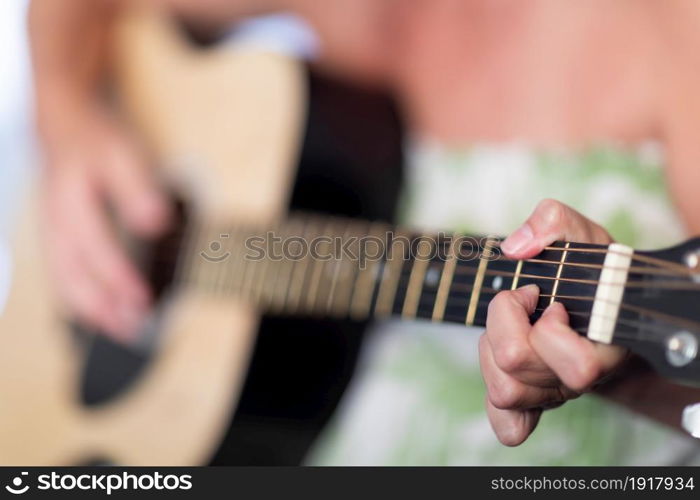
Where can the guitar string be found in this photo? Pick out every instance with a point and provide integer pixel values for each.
(668, 285)
(663, 285)
(584, 330)
(641, 258)
(460, 302)
(632, 269)
(679, 268)
(621, 304)
(626, 321)
(466, 289)
(669, 318)
(666, 265)
(670, 267)
(641, 310)
(654, 314)
(621, 320)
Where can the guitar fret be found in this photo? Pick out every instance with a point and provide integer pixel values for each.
(314, 273)
(272, 271)
(338, 262)
(186, 262)
(388, 285)
(330, 298)
(289, 264)
(317, 266)
(542, 271)
(518, 268)
(580, 282)
(478, 281)
(228, 247)
(559, 270)
(299, 274)
(233, 253)
(258, 290)
(278, 286)
(251, 268)
(234, 276)
(349, 270)
(361, 302)
(208, 265)
(431, 283)
(246, 279)
(446, 278)
(416, 278)
(216, 269)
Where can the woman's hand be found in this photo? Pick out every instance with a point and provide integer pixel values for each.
(528, 368)
(91, 163)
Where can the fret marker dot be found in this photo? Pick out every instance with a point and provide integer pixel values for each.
(497, 283)
(432, 277)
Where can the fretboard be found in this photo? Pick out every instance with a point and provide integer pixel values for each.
(326, 266)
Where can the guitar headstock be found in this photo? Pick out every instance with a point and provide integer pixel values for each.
(659, 314)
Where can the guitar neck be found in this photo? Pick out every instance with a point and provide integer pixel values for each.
(341, 267)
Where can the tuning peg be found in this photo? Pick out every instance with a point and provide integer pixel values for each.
(691, 420)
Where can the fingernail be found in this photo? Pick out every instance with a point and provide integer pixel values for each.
(531, 289)
(518, 240)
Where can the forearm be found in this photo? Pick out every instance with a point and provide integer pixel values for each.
(69, 43)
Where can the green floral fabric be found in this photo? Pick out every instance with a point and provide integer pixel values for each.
(418, 396)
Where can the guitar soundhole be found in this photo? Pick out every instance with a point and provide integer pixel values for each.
(111, 368)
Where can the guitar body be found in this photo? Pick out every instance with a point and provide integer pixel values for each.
(224, 126)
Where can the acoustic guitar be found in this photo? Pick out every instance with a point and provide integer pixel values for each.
(225, 126)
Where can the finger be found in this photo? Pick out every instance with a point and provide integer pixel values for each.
(577, 361)
(87, 230)
(139, 201)
(99, 247)
(507, 329)
(507, 393)
(552, 221)
(86, 300)
(512, 427)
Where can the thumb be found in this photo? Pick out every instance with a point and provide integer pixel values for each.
(140, 201)
(552, 221)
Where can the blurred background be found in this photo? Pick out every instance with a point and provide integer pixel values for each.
(15, 115)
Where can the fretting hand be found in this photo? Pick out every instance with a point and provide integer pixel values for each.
(528, 368)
